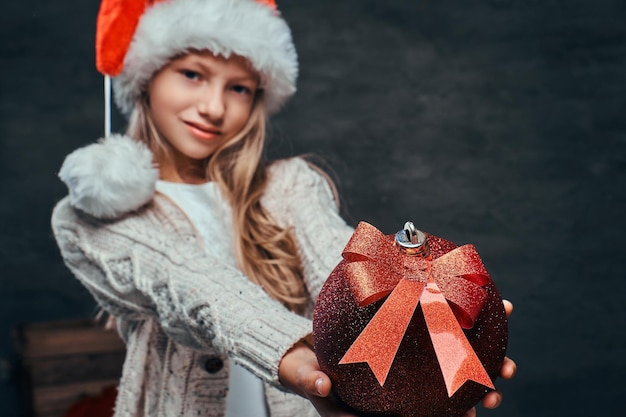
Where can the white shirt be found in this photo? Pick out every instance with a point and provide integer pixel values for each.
(211, 215)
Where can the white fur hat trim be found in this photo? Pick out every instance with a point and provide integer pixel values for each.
(111, 177)
(241, 27)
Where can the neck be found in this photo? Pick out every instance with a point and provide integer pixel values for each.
(183, 173)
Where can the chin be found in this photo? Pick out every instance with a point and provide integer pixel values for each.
(198, 154)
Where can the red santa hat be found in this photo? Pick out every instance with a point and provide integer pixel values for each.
(135, 38)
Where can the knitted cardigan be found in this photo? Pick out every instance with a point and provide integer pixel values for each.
(183, 314)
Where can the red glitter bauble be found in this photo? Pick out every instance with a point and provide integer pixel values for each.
(415, 386)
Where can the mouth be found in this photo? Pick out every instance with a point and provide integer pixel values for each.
(202, 131)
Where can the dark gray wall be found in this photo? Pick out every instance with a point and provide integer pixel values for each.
(496, 122)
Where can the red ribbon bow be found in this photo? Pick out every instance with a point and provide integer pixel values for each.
(377, 268)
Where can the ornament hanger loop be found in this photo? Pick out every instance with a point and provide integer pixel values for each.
(411, 241)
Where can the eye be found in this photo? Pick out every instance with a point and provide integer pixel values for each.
(190, 74)
(241, 89)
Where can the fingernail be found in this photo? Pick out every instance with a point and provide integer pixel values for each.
(495, 402)
(318, 385)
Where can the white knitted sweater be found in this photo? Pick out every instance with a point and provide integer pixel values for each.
(183, 314)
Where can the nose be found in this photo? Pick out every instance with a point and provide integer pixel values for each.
(211, 104)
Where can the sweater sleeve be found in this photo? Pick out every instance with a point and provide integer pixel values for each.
(140, 267)
(299, 197)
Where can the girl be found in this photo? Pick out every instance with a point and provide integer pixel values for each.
(209, 258)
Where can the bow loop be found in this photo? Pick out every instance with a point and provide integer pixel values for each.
(367, 291)
(367, 242)
(460, 275)
(369, 253)
(462, 262)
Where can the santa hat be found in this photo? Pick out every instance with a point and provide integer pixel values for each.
(135, 38)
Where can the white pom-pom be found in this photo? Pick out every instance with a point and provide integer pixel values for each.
(111, 177)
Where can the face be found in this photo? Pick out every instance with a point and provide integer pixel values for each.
(200, 101)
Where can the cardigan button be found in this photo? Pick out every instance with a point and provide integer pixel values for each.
(213, 365)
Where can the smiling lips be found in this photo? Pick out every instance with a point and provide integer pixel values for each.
(203, 132)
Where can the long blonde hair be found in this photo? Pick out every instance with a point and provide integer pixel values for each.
(265, 252)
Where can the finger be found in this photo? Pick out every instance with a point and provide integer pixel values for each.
(316, 383)
(492, 399)
(322, 385)
(509, 368)
(508, 307)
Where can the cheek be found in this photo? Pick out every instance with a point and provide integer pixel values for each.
(159, 115)
(241, 114)
(156, 104)
(163, 103)
(167, 95)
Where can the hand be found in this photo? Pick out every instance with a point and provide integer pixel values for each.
(509, 368)
(300, 372)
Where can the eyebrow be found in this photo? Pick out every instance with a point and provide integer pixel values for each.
(245, 78)
(236, 77)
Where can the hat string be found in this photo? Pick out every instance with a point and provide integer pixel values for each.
(107, 106)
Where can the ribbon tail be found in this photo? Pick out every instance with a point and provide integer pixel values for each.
(378, 343)
(457, 359)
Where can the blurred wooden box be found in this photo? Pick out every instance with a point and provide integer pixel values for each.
(63, 362)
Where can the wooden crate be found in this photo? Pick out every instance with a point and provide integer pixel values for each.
(65, 361)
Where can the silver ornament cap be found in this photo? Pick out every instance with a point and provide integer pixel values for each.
(411, 241)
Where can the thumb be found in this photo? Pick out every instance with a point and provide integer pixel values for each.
(317, 383)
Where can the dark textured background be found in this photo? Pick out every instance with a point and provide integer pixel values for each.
(497, 122)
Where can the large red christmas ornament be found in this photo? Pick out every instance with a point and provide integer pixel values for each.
(409, 325)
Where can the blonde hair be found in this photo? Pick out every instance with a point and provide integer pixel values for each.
(265, 252)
